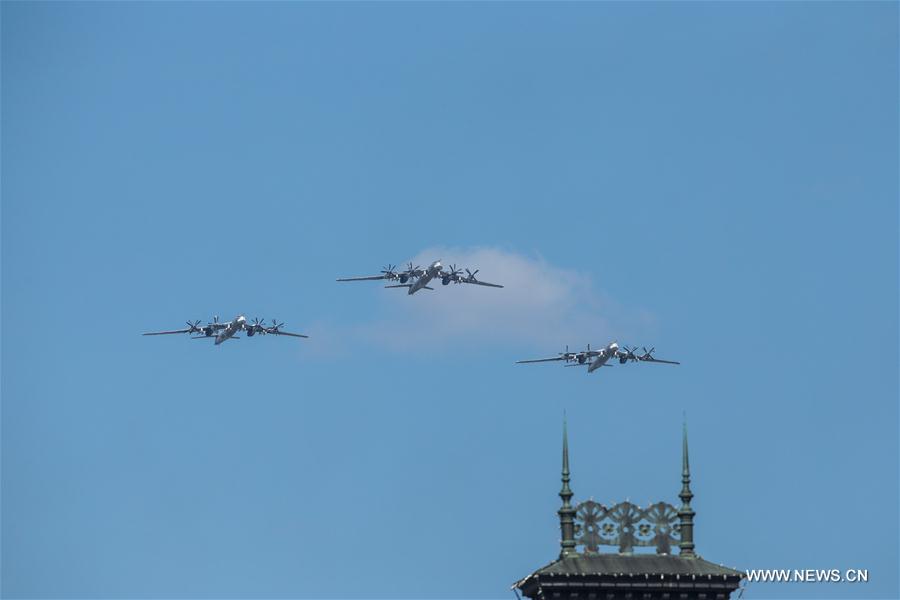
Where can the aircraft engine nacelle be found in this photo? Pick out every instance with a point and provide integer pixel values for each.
(251, 332)
(404, 278)
(623, 360)
(445, 281)
(581, 359)
(208, 331)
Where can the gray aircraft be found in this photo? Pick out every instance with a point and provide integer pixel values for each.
(227, 331)
(422, 277)
(594, 359)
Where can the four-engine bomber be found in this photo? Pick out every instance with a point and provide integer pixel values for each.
(227, 331)
(420, 278)
(594, 359)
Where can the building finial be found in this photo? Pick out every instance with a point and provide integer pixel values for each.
(565, 455)
(686, 513)
(566, 512)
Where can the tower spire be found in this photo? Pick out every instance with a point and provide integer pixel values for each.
(566, 512)
(686, 513)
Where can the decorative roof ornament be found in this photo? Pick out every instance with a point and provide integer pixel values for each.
(566, 512)
(627, 526)
(590, 525)
(626, 574)
(686, 513)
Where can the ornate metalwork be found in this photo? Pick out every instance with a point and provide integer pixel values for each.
(626, 525)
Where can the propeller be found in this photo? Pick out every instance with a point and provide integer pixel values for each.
(472, 275)
(629, 355)
(648, 354)
(258, 325)
(275, 326)
(389, 271)
(451, 275)
(193, 327)
(210, 327)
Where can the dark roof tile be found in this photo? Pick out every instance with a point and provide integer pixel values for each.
(632, 565)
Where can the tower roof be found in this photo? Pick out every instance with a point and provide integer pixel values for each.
(592, 525)
(636, 571)
(634, 564)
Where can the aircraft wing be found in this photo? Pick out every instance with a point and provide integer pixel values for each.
(484, 283)
(408, 285)
(299, 335)
(367, 278)
(659, 360)
(167, 332)
(538, 360)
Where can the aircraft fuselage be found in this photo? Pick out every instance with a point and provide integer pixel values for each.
(603, 357)
(430, 273)
(232, 328)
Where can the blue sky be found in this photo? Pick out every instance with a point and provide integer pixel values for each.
(716, 180)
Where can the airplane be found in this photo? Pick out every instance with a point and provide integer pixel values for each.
(422, 277)
(594, 359)
(227, 331)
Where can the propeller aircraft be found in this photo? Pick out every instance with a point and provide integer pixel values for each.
(227, 331)
(416, 278)
(594, 359)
